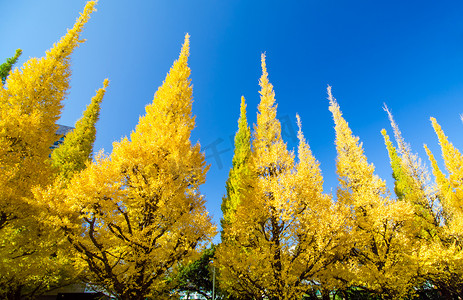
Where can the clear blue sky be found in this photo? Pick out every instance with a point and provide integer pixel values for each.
(408, 54)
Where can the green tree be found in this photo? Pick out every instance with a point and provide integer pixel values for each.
(198, 276)
(76, 150)
(237, 185)
(6, 67)
(412, 183)
(240, 171)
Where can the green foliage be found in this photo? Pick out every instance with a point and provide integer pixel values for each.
(198, 275)
(5, 68)
(240, 171)
(402, 183)
(72, 155)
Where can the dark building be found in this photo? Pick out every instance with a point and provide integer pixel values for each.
(61, 132)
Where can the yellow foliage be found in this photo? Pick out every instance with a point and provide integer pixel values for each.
(445, 256)
(30, 105)
(285, 231)
(452, 188)
(141, 208)
(381, 251)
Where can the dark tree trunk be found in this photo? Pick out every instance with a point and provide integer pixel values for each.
(14, 293)
(325, 295)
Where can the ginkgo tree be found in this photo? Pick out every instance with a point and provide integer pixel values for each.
(237, 188)
(141, 209)
(77, 149)
(240, 172)
(413, 183)
(381, 259)
(68, 159)
(6, 67)
(447, 252)
(128, 221)
(284, 230)
(436, 212)
(30, 104)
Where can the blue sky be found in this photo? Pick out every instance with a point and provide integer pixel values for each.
(408, 54)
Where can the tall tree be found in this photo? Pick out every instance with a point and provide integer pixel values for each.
(320, 231)
(248, 256)
(453, 160)
(237, 187)
(141, 207)
(199, 276)
(30, 105)
(381, 245)
(277, 244)
(76, 150)
(237, 184)
(6, 67)
(447, 274)
(68, 159)
(412, 183)
(240, 171)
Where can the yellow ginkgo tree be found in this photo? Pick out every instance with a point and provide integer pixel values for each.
(141, 209)
(284, 230)
(31, 101)
(68, 159)
(380, 259)
(446, 254)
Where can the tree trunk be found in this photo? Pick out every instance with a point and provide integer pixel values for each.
(325, 295)
(14, 293)
(132, 295)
